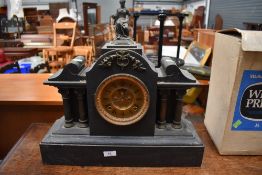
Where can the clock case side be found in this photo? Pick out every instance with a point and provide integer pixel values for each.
(105, 67)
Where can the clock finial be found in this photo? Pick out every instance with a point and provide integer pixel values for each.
(121, 19)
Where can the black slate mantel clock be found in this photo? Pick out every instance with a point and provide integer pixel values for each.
(122, 111)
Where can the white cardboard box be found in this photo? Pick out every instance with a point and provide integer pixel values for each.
(234, 107)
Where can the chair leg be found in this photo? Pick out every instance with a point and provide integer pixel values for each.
(45, 55)
(70, 56)
(66, 59)
(87, 58)
(90, 58)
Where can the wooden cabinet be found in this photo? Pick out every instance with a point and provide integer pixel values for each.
(169, 36)
(31, 18)
(54, 8)
(92, 15)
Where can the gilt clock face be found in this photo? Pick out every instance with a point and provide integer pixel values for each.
(122, 99)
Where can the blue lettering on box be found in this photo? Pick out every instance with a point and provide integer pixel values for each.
(248, 110)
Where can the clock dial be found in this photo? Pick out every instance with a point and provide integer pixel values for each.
(122, 99)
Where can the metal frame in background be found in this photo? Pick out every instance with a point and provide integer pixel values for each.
(162, 15)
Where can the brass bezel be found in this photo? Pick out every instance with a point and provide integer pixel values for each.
(117, 120)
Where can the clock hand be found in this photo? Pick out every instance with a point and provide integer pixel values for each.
(123, 98)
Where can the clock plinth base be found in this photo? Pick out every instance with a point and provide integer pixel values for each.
(169, 147)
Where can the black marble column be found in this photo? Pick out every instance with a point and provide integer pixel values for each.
(181, 19)
(136, 16)
(161, 18)
(161, 123)
(65, 92)
(178, 108)
(83, 119)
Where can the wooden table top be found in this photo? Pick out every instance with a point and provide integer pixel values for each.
(25, 159)
(27, 89)
(17, 49)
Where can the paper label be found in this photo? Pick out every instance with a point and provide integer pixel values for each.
(248, 110)
(109, 153)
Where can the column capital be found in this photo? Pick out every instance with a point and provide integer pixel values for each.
(65, 92)
(80, 92)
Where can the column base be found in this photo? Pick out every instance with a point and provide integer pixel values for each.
(68, 124)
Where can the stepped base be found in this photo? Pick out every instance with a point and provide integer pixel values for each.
(169, 147)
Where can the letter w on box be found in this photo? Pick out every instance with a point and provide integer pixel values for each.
(248, 110)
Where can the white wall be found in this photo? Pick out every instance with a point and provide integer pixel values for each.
(2, 3)
(108, 7)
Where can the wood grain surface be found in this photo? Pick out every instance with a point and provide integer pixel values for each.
(27, 89)
(25, 100)
(25, 159)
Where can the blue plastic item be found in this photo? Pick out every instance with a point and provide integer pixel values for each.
(24, 67)
(9, 71)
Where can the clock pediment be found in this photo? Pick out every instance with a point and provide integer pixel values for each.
(123, 59)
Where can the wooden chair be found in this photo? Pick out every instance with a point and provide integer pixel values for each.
(101, 33)
(87, 49)
(198, 17)
(65, 51)
(54, 66)
(218, 22)
(90, 41)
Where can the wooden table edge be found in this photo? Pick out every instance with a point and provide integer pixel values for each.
(32, 103)
(13, 149)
